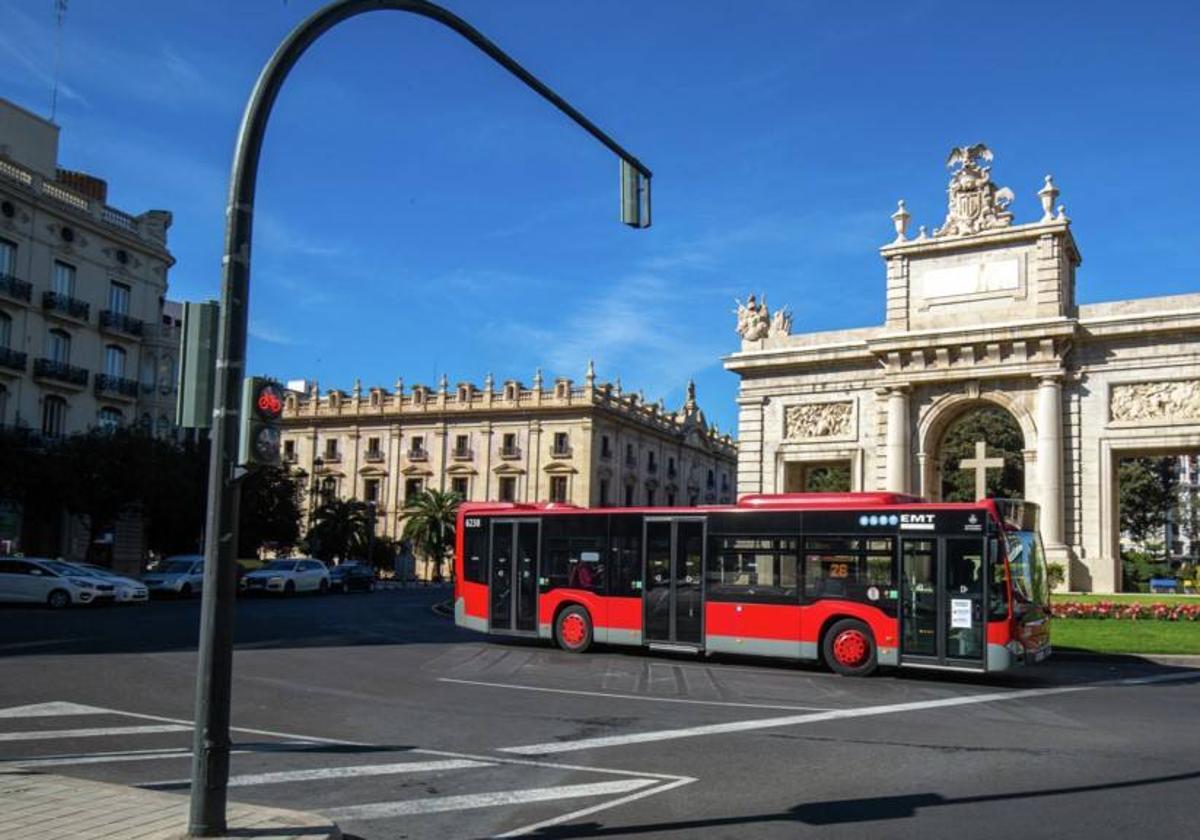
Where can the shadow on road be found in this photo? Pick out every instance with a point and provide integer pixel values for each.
(396, 617)
(846, 811)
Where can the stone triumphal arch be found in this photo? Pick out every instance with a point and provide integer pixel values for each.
(979, 312)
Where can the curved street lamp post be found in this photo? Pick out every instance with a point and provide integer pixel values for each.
(210, 761)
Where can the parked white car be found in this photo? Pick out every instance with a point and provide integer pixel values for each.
(181, 575)
(127, 590)
(295, 574)
(35, 580)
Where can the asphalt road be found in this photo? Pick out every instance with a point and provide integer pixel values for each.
(375, 710)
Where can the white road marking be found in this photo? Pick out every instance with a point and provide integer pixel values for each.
(187, 724)
(56, 708)
(94, 732)
(134, 755)
(99, 758)
(587, 812)
(383, 810)
(775, 722)
(353, 772)
(612, 696)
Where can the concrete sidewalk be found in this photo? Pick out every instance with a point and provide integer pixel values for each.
(40, 806)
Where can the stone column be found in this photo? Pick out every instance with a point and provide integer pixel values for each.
(898, 436)
(1050, 459)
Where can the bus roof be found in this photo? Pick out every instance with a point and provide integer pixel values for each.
(752, 501)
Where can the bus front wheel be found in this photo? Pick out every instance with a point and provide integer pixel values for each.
(574, 629)
(849, 648)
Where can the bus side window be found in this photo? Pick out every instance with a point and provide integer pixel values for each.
(625, 555)
(998, 588)
(475, 542)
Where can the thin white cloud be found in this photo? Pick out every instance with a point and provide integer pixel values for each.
(642, 328)
(270, 334)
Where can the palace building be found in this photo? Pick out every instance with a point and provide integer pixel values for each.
(591, 446)
(983, 351)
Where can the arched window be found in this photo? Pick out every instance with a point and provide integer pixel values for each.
(146, 423)
(54, 416)
(110, 418)
(114, 361)
(5, 330)
(147, 375)
(58, 346)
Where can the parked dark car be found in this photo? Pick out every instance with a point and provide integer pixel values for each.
(350, 576)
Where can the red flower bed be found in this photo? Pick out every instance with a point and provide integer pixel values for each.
(1127, 612)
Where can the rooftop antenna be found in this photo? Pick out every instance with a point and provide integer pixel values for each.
(60, 13)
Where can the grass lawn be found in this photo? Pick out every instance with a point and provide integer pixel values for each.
(1107, 636)
(1134, 598)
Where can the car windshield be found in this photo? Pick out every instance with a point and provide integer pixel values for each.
(280, 565)
(63, 568)
(176, 567)
(1027, 563)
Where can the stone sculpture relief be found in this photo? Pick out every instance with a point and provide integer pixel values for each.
(1179, 400)
(755, 322)
(975, 203)
(815, 420)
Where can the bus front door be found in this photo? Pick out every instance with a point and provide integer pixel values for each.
(513, 573)
(942, 601)
(673, 591)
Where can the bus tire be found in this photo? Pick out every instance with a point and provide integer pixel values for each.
(849, 648)
(573, 629)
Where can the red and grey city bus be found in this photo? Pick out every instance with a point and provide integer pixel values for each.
(856, 580)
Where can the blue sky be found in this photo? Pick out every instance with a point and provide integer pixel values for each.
(419, 211)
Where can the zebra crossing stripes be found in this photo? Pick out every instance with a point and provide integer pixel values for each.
(470, 783)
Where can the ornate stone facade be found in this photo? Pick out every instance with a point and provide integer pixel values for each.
(817, 420)
(1178, 400)
(591, 445)
(982, 312)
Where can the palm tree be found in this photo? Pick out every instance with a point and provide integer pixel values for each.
(429, 518)
(341, 528)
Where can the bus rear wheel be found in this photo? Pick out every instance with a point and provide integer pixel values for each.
(849, 648)
(574, 629)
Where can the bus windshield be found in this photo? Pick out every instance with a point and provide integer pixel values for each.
(1027, 563)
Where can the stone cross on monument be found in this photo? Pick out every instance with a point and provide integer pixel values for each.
(980, 464)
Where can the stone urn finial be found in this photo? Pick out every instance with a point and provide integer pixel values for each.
(1048, 193)
(900, 221)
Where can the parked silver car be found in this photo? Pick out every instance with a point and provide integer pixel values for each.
(181, 575)
(37, 580)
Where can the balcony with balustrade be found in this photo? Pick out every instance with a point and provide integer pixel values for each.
(66, 307)
(116, 387)
(15, 289)
(12, 360)
(60, 373)
(121, 324)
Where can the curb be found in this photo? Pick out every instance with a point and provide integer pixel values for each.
(1185, 659)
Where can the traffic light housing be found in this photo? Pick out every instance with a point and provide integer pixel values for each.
(262, 411)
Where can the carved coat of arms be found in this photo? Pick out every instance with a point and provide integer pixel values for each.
(975, 203)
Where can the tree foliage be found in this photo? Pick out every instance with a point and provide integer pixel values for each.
(1149, 492)
(827, 478)
(99, 475)
(997, 428)
(429, 521)
(341, 529)
(268, 511)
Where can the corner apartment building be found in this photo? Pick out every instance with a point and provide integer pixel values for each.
(87, 337)
(591, 445)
